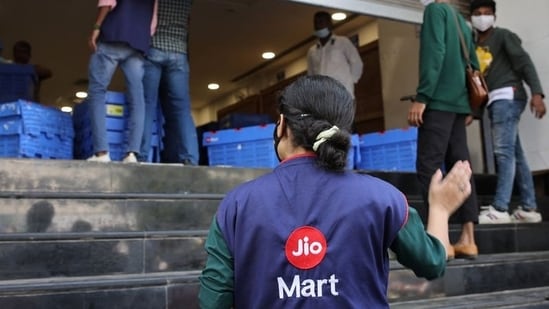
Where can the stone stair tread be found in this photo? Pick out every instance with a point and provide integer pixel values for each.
(191, 276)
(96, 282)
(56, 236)
(24, 175)
(490, 259)
(522, 298)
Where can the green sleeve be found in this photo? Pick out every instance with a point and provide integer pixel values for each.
(431, 52)
(418, 250)
(217, 279)
(521, 61)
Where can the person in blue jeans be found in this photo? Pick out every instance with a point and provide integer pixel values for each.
(120, 37)
(167, 77)
(505, 65)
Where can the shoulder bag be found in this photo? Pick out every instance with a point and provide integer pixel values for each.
(476, 85)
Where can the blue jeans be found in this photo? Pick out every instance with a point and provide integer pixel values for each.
(167, 73)
(103, 63)
(505, 116)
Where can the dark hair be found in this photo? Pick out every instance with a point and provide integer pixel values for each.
(313, 104)
(323, 14)
(22, 44)
(475, 4)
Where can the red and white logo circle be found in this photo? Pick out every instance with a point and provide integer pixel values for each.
(306, 247)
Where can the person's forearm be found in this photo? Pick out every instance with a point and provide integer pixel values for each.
(102, 13)
(420, 251)
(437, 224)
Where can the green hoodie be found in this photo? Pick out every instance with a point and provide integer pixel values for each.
(441, 63)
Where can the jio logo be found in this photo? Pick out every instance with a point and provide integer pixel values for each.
(306, 247)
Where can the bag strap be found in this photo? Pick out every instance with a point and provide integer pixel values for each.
(464, 50)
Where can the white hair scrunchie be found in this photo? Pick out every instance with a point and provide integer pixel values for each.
(323, 136)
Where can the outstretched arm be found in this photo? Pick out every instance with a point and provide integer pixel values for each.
(445, 196)
(425, 252)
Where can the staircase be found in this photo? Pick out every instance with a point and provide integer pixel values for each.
(76, 234)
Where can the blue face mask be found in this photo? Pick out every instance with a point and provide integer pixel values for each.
(322, 33)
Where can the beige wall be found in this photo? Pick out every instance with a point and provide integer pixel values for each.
(532, 26)
(399, 55)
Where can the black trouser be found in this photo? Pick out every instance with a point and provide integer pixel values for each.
(442, 139)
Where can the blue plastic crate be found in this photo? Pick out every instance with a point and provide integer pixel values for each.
(353, 157)
(392, 150)
(114, 113)
(116, 122)
(241, 120)
(83, 144)
(17, 81)
(23, 117)
(30, 130)
(245, 147)
(35, 146)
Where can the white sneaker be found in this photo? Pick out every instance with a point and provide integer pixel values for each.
(102, 158)
(130, 158)
(525, 216)
(493, 216)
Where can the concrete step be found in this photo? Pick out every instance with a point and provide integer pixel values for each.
(169, 290)
(27, 176)
(50, 255)
(533, 298)
(486, 274)
(93, 213)
(24, 177)
(491, 275)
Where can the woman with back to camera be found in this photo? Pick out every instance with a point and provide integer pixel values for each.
(311, 234)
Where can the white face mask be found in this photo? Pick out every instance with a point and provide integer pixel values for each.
(483, 22)
(322, 33)
(426, 2)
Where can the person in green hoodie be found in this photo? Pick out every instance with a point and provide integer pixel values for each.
(441, 109)
(505, 65)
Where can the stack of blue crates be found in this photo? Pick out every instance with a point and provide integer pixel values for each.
(116, 123)
(392, 150)
(254, 147)
(246, 147)
(157, 136)
(353, 157)
(30, 130)
(17, 81)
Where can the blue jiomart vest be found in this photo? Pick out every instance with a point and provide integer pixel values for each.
(129, 22)
(302, 237)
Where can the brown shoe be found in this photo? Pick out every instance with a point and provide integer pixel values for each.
(450, 253)
(466, 251)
